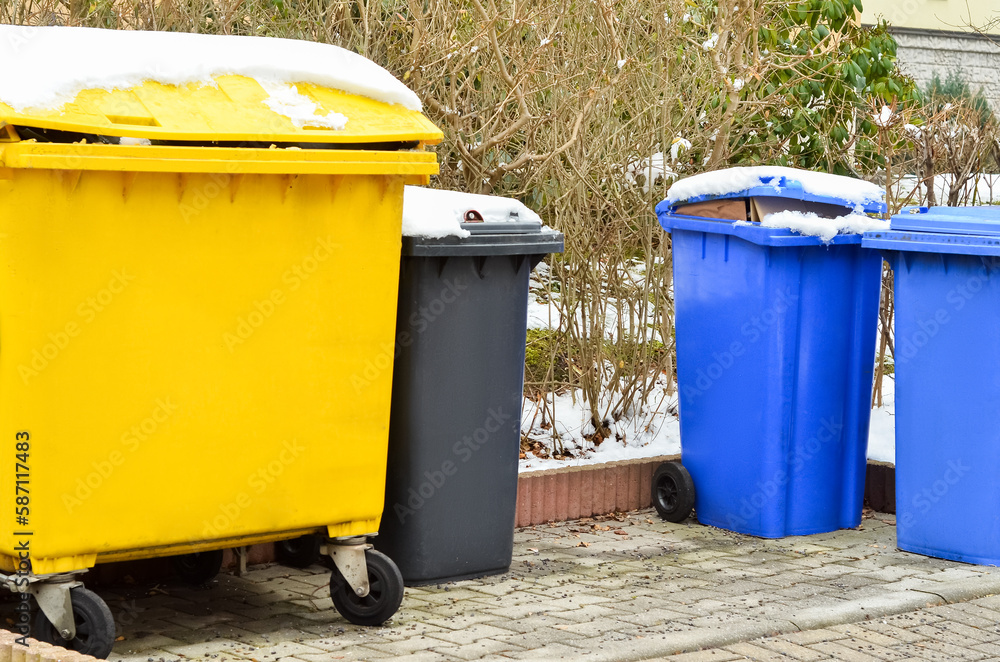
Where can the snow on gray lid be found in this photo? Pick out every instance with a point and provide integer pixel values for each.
(48, 66)
(433, 213)
(733, 180)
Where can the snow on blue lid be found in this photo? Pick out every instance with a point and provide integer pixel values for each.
(777, 181)
(983, 221)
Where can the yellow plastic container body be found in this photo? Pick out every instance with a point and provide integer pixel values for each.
(198, 341)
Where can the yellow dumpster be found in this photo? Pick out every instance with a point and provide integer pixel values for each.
(197, 307)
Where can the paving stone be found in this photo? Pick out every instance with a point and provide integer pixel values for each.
(551, 651)
(421, 656)
(204, 649)
(135, 645)
(537, 638)
(584, 614)
(479, 649)
(347, 654)
(992, 648)
(712, 655)
(920, 651)
(866, 647)
(406, 646)
(750, 651)
(978, 619)
(838, 651)
(472, 633)
(792, 650)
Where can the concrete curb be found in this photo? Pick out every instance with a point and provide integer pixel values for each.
(929, 594)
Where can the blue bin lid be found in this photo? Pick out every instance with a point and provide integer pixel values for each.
(767, 182)
(778, 182)
(954, 230)
(754, 233)
(984, 221)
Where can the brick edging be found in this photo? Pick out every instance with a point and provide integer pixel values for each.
(36, 651)
(566, 493)
(554, 495)
(880, 487)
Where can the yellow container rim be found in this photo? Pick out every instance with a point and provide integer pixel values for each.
(227, 160)
(232, 110)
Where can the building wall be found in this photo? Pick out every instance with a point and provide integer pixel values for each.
(956, 15)
(922, 53)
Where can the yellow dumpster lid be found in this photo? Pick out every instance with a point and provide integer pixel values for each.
(178, 87)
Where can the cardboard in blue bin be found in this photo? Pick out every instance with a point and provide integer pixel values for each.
(780, 182)
(794, 206)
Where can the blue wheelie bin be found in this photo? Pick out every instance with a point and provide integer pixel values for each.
(946, 266)
(775, 335)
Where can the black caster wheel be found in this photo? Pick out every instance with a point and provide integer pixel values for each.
(298, 552)
(198, 568)
(95, 626)
(673, 492)
(383, 599)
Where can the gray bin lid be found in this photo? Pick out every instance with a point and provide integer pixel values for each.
(489, 238)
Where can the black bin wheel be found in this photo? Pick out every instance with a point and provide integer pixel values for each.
(383, 599)
(198, 568)
(673, 492)
(299, 552)
(95, 626)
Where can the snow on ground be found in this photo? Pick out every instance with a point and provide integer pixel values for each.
(631, 313)
(655, 431)
(649, 170)
(812, 225)
(983, 189)
(882, 431)
(650, 432)
(434, 213)
(734, 180)
(49, 66)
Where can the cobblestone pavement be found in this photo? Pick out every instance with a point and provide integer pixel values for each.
(627, 589)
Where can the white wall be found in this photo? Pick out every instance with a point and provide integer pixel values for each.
(934, 14)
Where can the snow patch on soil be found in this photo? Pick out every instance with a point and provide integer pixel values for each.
(882, 430)
(651, 431)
